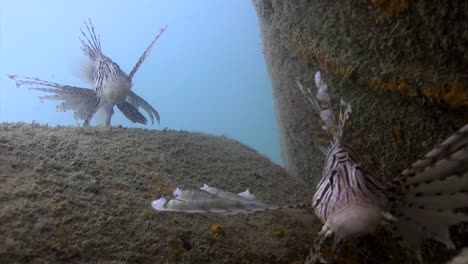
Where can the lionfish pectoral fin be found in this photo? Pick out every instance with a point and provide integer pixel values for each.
(432, 194)
(132, 113)
(137, 101)
(80, 100)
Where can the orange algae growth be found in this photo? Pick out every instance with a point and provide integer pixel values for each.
(62, 237)
(276, 232)
(392, 86)
(453, 93)
(398, 133)
(175, 249)
(217, 230)
(389, 8)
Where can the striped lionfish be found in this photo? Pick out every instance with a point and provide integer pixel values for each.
(350, 202)
(110, 86)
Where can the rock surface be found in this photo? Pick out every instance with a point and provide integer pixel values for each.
(369, 55)
(400, 64)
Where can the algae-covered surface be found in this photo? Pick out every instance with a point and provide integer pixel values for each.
(82, 195)
(402, 65)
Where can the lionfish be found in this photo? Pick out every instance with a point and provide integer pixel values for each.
(111, 86)
(350, 202)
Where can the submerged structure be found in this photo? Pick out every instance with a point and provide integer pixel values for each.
(110, 86)
(402, 66)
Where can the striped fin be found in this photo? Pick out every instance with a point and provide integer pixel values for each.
(91, 45)
(22, 80)
(131, 113)
(440, 202)
(446, 159)
(442, 171)
(429, 193)
(137, 101)
(321, 102)
(411, 235)
(145, 54)
(213, 200)
(81, 100)
(433, 224)
(443, 186)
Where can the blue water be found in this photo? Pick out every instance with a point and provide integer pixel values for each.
(206, 73)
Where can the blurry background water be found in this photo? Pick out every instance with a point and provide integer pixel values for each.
(206, 73)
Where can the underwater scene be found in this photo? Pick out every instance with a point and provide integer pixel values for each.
(253, 131)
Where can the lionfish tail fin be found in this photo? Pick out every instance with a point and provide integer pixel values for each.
(321, 102)
(91, 44)
(433, 192)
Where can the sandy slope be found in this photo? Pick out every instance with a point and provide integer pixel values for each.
(74, 195)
